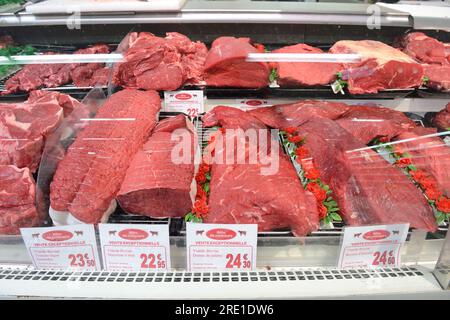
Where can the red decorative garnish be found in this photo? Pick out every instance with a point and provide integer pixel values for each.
(200, 208)
(294, 139)
(383, 139)
(260, 47)
(317, 191)
(443, 204)
(312, 174)
(322, 211)
(433, 193)
(200, 177)
(290, 130)
(418, 175)
(301, 152)
(403, 162)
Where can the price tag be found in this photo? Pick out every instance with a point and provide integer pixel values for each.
(372, 246)
(190, 102)
(221, 246)
(127, 247)
(63, 248)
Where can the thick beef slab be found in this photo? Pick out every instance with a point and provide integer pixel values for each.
(428, 152)
(17, 200)
(35, 76)
(424, 48)
(24, 126)
(157, 184)
(368, 189)
(438, 77)
(300, 74)
(442, 119)
(155, 63)
(90, 175)
(381, 67)
(226, 65)
(240, 193)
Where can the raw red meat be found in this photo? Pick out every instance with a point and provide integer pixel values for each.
(293, 114)
(424, 48)
(381, 67)
(88, 178)
(155, 63)
(240, 193)
(35, 76)
(442, 119)
(226, 65)
(367, 188)
(368, 122)
(298, 74)
(6, 41)
(438, 76)
(156, 185)
(24, 126)
(428, 152)
(17, 200)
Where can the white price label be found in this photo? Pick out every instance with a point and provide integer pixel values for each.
(221, 246)
(190, 102)
(375, 246)
(127, 247)
(62, 248)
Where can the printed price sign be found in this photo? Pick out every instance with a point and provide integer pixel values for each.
(62, 248)
(131, 247)
(189, 102)
(221, 246)
(372, 246)
(249, 104)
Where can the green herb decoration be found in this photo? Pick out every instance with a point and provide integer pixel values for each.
(273, 75)
(14, 51)
(6, 2)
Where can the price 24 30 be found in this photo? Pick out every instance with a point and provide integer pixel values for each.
(238, 261)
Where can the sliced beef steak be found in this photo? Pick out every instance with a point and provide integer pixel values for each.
(241, 192)
(157, 184)
(293, 114)
(226, 65)
(369, 122)
(368, 189)
(24, 126)
(381, 67)
(428, 152)
(300, 74)
(442, 119)
(155, 63)
(17, 200)
(438, 77)
(424, 48)
(88, 178)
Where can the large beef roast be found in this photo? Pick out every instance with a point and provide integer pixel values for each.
(438, 76)
(155, 63)
(242, 193)
(442, 119)
(157, 184)
(424, 48)
(300, 74)
(226, 65)
(17, 200)
(88, 178)
(381, 67)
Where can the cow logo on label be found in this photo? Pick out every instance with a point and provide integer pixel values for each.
(376, 235)
(183, 96)
(133, 234)
(221, 234)
(57, 235)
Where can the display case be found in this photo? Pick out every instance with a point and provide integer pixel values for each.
(293, 261)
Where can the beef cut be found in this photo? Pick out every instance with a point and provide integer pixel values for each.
(442, 119)
(156, 184)
(87, 180)
(155, 63)
(17, 200)
(369, 122)
(293, 114)
(300, 74)
(24, 126)
(367, 188)
(428, 152)
(226, 65)
(423, 48)
(438, 77)
(35, 76)
(241, 193)
(381, 67)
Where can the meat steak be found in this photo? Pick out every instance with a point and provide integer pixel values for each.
(156, 185)
(24, 126)
(240, 193)
(88, 178)
(17, 200)
(368, 189)
(368, 122)
(428, 152)
(438, 76)
(424, 48)
(381, 67)
(155, 63)
(300, 74)
(442, 119)
(226, 65)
